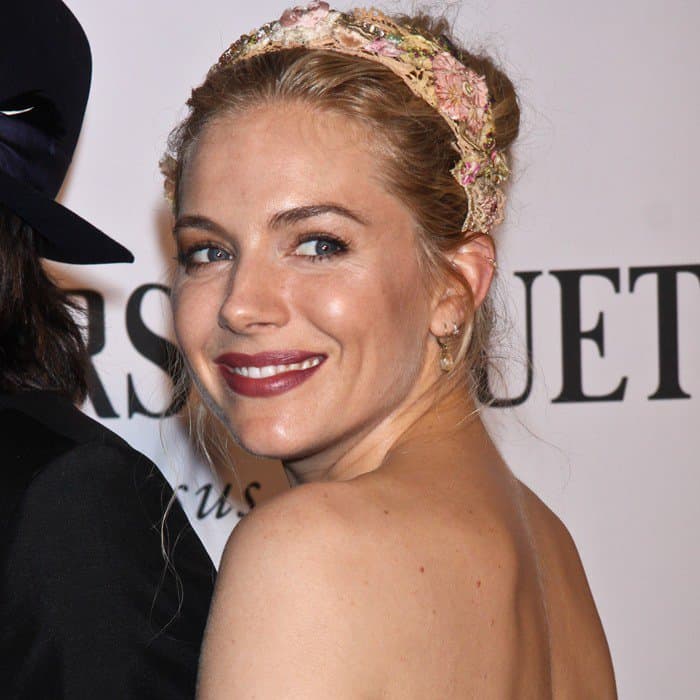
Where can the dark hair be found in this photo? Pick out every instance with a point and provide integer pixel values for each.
(41, 345)
(419, 144)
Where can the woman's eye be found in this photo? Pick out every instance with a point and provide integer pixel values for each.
(207, 255)
(320, 247)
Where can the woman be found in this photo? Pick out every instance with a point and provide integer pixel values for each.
(88, 607)
(335, 188)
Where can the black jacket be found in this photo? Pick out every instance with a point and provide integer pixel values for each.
(88, 608)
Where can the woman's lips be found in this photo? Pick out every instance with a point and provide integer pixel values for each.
(267, 373)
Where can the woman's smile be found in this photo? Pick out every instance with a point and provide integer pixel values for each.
(268, 373)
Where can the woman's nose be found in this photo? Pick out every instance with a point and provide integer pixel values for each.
(254, 298)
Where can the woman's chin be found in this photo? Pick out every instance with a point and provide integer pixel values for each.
(282, 453)
(273, 442)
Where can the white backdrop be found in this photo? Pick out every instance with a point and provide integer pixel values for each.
(605, 183)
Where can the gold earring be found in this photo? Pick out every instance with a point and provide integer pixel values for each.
(447, 362)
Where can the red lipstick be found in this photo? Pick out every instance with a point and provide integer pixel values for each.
(267, 373)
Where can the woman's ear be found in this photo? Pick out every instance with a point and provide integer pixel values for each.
(474, 262)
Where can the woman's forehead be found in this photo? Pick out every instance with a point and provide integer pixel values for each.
(284, 152)
(285, 125)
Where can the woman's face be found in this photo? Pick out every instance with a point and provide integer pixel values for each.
(299, 302)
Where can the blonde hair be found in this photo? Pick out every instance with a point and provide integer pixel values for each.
(417, 144)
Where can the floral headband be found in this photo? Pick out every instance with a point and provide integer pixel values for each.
(432, 73)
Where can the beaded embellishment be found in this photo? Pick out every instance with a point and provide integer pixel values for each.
(431, 72)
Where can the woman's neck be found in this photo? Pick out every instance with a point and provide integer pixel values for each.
(425, 420)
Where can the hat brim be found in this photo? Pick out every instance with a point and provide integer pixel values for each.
(66, 237)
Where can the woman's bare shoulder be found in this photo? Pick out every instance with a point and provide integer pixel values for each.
(288, 611)
(302, 536)
(332, 582)
(555, 546)
(580, 654)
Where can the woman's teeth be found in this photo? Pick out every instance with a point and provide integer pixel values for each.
(272, 370)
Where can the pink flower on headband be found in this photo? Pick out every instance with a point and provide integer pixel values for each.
(383, 47)
(467, 173)
(462, 94)
(308, 16)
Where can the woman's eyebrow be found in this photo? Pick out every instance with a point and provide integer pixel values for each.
(282, 218)
(200, 222)
(296, 214)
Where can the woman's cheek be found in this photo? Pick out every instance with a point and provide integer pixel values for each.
(194, 316)
(339, 299)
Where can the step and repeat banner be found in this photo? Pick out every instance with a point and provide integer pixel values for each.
(598, 285)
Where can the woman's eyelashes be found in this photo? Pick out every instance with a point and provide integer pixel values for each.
(312, 247)
(202, 254)
(317, 247)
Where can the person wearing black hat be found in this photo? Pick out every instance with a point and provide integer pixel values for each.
(89, 604)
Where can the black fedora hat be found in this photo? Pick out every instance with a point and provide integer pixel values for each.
(45, 69)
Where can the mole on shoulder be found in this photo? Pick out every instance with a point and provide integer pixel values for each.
(422, 569)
